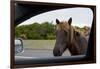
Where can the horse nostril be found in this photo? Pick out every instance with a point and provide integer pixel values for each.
(56, 53)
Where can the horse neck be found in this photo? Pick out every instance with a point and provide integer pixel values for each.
(73, 47)
(79, 44)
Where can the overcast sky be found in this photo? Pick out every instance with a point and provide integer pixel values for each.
(80, 16)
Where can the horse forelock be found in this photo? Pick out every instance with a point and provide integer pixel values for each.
(62, 26)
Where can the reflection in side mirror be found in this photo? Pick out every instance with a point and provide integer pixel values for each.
(18, 46)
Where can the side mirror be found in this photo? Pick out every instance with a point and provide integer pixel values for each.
(18, 46)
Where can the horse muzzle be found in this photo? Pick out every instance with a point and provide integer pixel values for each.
(57, 52)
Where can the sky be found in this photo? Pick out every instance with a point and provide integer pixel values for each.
(80, 16)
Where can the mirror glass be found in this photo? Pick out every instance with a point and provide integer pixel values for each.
(18, 46)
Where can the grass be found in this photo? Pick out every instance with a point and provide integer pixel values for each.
(39, 44)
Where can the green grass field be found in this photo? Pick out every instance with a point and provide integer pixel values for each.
(39, 44)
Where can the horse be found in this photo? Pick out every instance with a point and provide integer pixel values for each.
(69, 38)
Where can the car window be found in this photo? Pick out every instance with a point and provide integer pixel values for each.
(39, 37)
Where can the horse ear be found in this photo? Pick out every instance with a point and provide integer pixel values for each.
(70, 21)
(57, 21)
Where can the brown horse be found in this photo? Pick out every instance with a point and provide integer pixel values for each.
(68, 38)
